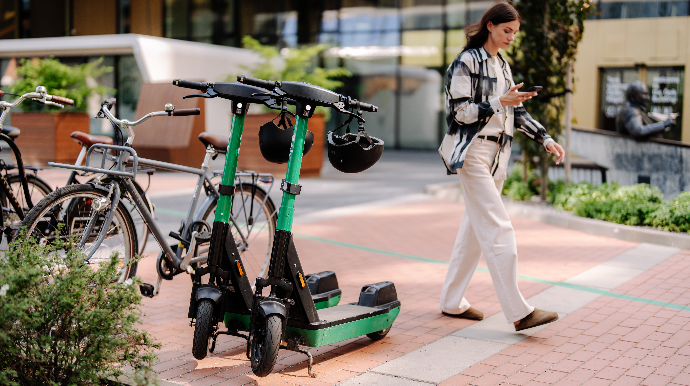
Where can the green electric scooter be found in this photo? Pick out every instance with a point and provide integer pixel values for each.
(289, 314)
(222, 285)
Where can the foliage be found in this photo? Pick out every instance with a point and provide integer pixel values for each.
(298, 64)
(549, 34)
(672, 215)
(519, 188)
(65, 323)
(59, 79)
(640, 205)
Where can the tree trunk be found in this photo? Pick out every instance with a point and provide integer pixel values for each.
(544, 169)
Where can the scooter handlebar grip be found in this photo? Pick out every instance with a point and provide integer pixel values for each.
(185, 112)
(190, 84)
(267, 84)
(368, 107)
(62, 100)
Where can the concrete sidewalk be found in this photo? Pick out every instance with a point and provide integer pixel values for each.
(622, 307)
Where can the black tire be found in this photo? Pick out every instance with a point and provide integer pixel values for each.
(202, 329)
(378, 335)
(256, 254)
(265, 344)
(64, 212)
(37, 189)
(143, 231)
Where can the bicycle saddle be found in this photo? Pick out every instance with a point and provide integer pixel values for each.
(218, 142)
(89, 140)
(10, 131)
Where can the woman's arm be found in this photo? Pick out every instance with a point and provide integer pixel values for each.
(460, 95)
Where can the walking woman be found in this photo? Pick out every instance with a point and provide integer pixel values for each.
(483, 108)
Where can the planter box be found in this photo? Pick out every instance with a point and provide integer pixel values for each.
(45, 137)
(250, 154)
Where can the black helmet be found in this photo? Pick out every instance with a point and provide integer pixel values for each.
(354, 153)
(275, 142)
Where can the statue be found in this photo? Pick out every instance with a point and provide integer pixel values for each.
(633, 121)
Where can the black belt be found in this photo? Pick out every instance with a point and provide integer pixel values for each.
(491, 138)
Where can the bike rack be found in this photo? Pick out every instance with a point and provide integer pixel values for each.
(127, 154)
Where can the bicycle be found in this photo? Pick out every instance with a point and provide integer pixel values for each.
(96, 213)
(18, 191)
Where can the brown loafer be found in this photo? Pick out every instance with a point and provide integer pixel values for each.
(536, 318)
(471, 314)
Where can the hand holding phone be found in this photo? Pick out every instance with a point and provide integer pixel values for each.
(534, 89)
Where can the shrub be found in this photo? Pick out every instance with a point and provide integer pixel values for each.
(516, 188)
(59, 79)
(64, 323)
(673, 215)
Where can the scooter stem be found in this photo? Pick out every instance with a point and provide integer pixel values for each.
(287, 204)
(231, 156)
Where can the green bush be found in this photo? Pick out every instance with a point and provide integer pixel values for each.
(64, 323)
(517, 189)
(59, 79)
(673, 215)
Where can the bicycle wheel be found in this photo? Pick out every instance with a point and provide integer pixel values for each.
(142, 230)
(66, 212)
(265, 344)
(256, 225)
(202, 329)
(37, 190)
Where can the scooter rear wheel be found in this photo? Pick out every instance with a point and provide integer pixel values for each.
(202, 329)
(265, 344)
(378, 335)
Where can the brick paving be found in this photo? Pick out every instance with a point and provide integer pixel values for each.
(425, 229)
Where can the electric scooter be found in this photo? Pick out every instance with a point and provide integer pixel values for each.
(228, 289)
(289, 313)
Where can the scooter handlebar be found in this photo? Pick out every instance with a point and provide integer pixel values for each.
(267, 84)
(189, 84)
(185, 112)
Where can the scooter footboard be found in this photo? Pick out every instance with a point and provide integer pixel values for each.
(345, 322)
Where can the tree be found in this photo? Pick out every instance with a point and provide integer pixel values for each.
(549, 34)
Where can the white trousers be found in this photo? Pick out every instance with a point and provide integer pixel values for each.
(485, 229)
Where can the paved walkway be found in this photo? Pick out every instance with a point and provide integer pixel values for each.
(621, 306)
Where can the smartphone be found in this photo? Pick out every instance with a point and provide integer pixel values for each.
(534, 89)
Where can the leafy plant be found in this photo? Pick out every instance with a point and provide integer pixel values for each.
(549, 35)
(673, 215)
(59, 79)
(65, 323)
(297, 64)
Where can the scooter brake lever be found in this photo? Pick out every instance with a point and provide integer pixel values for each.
(197, 96)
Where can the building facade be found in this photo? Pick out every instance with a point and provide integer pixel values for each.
(397, 50)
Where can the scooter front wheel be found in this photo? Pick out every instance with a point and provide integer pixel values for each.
(202, 329)
(265, 344)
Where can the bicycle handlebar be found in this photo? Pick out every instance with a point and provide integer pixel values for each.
(267, 84)
(59, 99)
(185, 112)
(193, 85)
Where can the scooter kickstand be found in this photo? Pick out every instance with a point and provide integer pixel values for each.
(292, 346)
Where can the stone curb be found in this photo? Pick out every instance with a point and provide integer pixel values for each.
(548, 215)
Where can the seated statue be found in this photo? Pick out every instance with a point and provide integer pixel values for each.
(632, 119)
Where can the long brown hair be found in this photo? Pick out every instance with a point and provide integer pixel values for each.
(478, 33)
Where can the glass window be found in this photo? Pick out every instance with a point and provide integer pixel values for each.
(666, 92)
(637, 9)
(614, 82)
(203, 20)
(176, 22)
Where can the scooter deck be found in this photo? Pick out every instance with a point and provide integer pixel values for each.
(344, 322)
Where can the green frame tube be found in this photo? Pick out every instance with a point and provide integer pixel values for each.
(287, 204)
(225, 201)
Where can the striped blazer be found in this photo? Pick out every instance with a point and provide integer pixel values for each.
(471, 100)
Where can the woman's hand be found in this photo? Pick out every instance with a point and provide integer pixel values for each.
(557, 150)
(514, 97)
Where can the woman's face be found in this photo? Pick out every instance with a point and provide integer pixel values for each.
(503, 34)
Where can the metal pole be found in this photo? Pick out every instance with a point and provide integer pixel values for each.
(568, 119)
